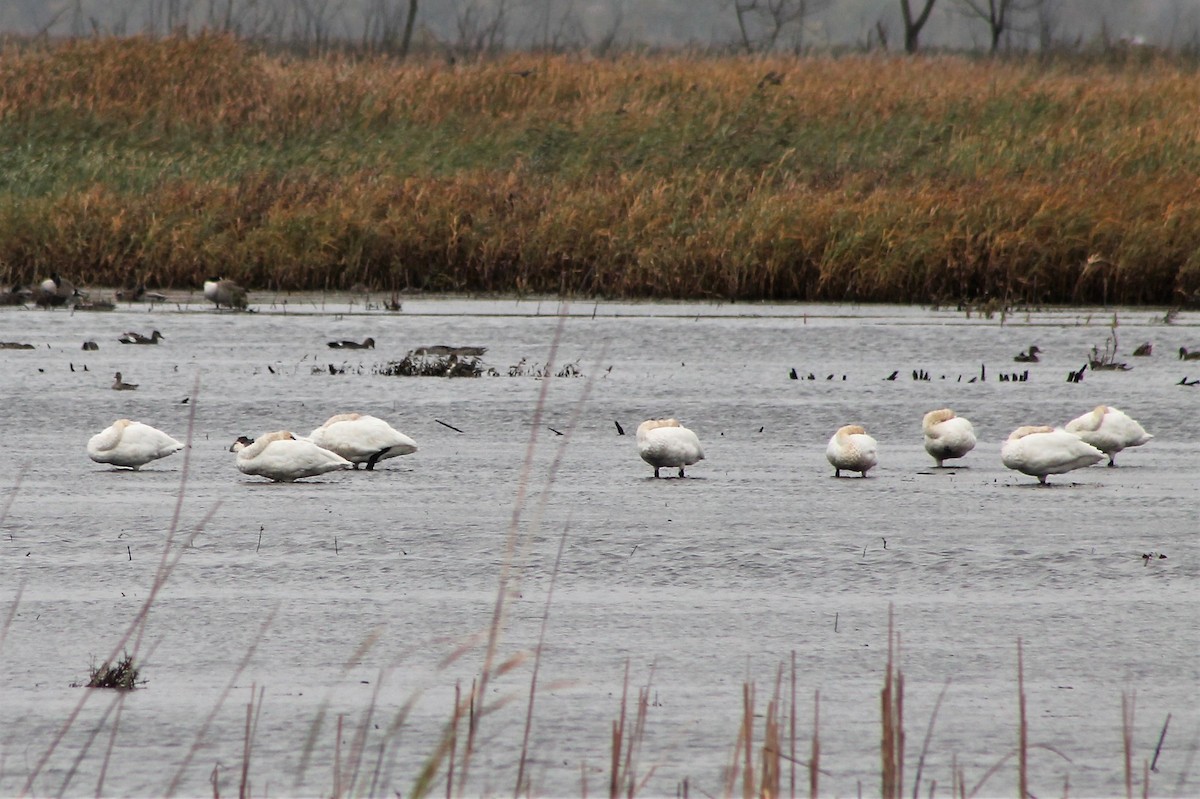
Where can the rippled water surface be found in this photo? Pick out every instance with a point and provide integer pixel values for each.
(364, 598)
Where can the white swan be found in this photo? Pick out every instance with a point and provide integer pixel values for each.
(362, 439)
(853, 450)
(946, 435)
(1108, 430)
(282, 457)
(1041, 451)
(130, 444)
(667, 443)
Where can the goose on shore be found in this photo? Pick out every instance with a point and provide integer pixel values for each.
(947, 435)
(665, 443)
(1040, 451)
(853, 450)
(137, 338)
(56, 290)
(1029, 356)
(121, 385)
(282, 457)
(220, 291)
(130, 444)
(367, 344)
(360, 438)
(1109, 430)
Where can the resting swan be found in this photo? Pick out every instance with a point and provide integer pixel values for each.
(130, 444)
(853, 450)
(1042, 451)
(1108, 430)
(667, 443)
(362, 439)
(282, 457)
(946, 435)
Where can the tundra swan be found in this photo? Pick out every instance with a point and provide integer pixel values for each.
(360, 438)
(667, 443)
(946, 435)
(1109, 430)
(130, 444)
(852, 449)
(1041, 451)
(282, 457)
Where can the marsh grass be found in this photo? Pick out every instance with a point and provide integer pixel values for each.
(855, 178)
(122, 674)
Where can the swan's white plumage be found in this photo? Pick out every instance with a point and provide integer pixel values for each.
(667, 443)
(360, 438)
(130, 444)
(1109, 430)
(946, 435)
(1042, 451)
(853, 450)
(282, 457)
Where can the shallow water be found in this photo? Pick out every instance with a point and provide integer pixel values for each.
(349, 594)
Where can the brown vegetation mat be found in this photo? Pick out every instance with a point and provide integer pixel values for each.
(858, 178)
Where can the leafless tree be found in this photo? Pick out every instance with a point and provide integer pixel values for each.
(388, 25)
(913, 23)
(480, 32)
(999, 15)
(761, 22)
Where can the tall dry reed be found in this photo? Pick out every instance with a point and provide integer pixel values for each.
(855, 178)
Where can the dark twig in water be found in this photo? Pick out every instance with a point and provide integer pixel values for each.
(1161, 737)
(443, 424)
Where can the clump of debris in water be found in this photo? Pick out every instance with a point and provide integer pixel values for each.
(443, 361)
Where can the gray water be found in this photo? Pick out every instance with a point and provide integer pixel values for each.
(368, 595)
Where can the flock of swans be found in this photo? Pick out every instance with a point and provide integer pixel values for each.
(1038, 451)
(346, 441)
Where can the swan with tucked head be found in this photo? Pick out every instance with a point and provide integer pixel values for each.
(665, 443)
(1040, 451)
(130, 444)
(360, 438)
(853, 450)
(947, 436)
(282, 457)
(1109, 430)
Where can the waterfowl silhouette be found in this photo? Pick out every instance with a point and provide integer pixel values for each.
(137, 338)
(130, 444)
(1109, 430)
(17, 295)
(139, 294)
(282, 457)
(853, 450)
(367, 344)
(121, 385)
(1184, 355)
(15, 345)
(1039, 451)
(91, 345)
(946, 435)
(360, 438)
(1029, 356)
(55, 291)
(665, 443)
(220, 291)
(1143, 350)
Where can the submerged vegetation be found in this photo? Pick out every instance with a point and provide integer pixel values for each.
(939, 179)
